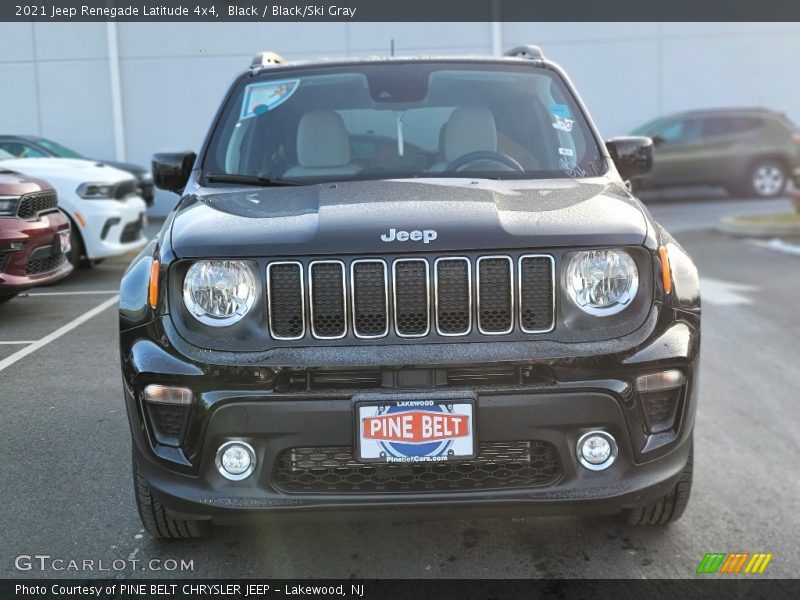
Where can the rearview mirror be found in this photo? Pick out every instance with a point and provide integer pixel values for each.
(171, 170)
(632, 155)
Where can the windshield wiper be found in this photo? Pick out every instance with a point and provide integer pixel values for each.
(260, 180)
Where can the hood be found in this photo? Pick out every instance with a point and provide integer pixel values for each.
(137, 171)
(17, 184)
(358, 217)
(76, 169)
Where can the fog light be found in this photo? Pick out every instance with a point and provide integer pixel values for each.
(167, 394)
(597, 450)
(236, 460)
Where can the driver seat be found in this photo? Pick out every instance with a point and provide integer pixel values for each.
(469, 129)
(323, 146)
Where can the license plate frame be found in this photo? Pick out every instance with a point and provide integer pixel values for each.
(444, 412)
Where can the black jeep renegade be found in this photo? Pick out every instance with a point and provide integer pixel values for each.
(412, 285)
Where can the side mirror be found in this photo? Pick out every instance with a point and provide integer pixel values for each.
(658, 140)
(171, 170)
(632, 155)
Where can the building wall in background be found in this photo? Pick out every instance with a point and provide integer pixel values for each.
(56, 83)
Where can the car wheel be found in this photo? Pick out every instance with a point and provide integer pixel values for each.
(76, 250)
(767, 179)
(670, 507)
(155, 518)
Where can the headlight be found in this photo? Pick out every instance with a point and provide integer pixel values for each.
(8, 205)
(96, 191)
(602, 282)
(219, 292)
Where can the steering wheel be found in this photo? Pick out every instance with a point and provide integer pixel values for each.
(484, 155)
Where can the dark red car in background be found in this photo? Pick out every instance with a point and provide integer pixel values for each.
(34, 235)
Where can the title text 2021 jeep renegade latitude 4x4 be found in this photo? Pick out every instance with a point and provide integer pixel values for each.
(408, 284)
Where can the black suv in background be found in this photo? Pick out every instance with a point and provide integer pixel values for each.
(408, 285)
(31, 146)
(749, 151)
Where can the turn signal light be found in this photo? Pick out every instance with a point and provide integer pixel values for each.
(167, 394)
(666, 272)
(665, 380)
(153, 295)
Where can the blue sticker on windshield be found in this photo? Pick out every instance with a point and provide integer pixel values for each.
(262, 97)
(560, 110)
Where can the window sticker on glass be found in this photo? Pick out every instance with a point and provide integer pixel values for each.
(561, 114)
(261, 97)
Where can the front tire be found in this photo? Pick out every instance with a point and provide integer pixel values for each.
(669, 507)
(155, 518)
(766, 179)
(76, 248)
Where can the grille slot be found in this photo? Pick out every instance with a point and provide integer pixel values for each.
(499, 465)
(32, 205)
(285, 299)
(495, 295)
(168, 422)
(452, 283)
(42, 260)
(412, 297)
(536, 293)
(328, 294)
(370, 298)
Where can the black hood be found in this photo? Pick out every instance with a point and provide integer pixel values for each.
(352, 217)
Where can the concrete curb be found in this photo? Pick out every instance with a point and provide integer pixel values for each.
(735, 226)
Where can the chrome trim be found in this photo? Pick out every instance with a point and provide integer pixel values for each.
(302, 299)
(511, 293)
(552, 287)
(311, 298)
(427, 297)
(436, 294)
(385, 296)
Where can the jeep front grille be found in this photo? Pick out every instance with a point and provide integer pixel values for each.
(449, 296)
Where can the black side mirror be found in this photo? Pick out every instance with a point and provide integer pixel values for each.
(171, 170)
(632, 155)
(658, 140)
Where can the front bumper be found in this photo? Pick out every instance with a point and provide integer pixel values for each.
(38, 236)
(103, 226)
(240, 401)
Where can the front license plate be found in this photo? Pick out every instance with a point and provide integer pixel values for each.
(64, 243)
(411, 431)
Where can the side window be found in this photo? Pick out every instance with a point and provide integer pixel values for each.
(682, 132)
(21, 150)
(724, 126)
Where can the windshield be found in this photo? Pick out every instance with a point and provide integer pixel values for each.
(397, 120)
(57, 149)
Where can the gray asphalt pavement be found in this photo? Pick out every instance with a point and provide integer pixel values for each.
(65, 484)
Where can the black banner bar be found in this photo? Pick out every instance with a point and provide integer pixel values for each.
(750, 587)
(399, 10)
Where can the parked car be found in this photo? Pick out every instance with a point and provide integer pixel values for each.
(749, 151)
(485, 321)
(31, 146)
(107, 213)
(34, 235)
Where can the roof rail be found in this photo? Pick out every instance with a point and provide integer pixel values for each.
(266, 59)
(528, 51)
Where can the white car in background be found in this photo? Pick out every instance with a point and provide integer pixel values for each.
(107, 213)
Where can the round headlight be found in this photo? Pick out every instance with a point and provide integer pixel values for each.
(219, 292)
(602, 282)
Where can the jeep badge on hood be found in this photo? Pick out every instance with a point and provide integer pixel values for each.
(426, 235)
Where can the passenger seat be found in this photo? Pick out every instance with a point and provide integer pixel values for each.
(323, 146)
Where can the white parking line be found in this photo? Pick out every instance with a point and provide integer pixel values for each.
(81, 293)
(20, 354)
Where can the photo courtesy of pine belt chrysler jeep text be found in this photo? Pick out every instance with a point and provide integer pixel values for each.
(408, 285)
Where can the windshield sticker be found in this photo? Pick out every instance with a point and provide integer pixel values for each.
(262, 97)
(560, 110)
(566, 152)
(563, 124)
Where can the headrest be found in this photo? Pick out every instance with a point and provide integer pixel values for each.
(322, 140)
(469, 129)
